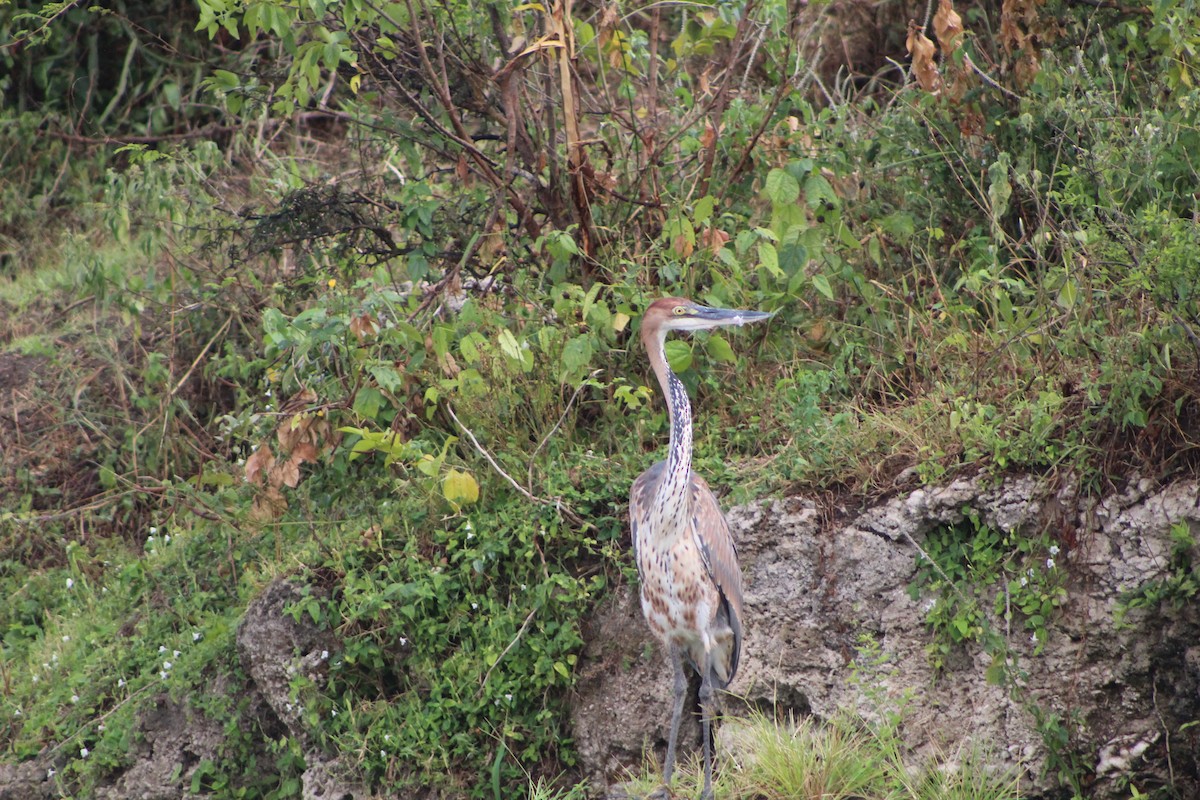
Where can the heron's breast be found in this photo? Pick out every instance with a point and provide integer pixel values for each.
(678, 596)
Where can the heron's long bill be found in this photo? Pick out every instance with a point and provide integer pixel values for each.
(731, 316)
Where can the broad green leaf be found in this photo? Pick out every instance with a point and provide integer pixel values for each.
(703, 209)
(367, 402)
(821, 284)
(793, 258)
(781, 188)
(387, 377)
(719, 350)
(509, 345)
(818, 192)
(577, 354)
(679, 355)
(768, 256)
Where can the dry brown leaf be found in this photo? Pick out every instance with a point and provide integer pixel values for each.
(305, 452)
(923, 53)
(298, 428)
(268, 505)
(683, 246)
(364, 327)
(713, 238)
(285, 473)
(259, 463)
(947, 24)
(709, 137)
(462, 170)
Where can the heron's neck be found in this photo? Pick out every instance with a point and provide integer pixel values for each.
(675, 486)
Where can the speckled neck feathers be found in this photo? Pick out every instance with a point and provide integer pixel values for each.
(674, 490)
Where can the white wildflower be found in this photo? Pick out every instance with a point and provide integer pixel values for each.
(167, 665)
(475, 606)
(1054, 550)
(324, 655)
(403, 641)
(162, 648)
(83, 751)
(176, 652)
(120, 683)
(66, 638)
(74, 698)
(70, 582)
(1049, 563)
(508, 697)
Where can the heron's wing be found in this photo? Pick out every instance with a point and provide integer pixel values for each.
(720, 559)
(641, 499)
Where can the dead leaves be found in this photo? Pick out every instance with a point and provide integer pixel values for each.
(1023, 29)
(948, 27)
(302, 437)
(924, 59)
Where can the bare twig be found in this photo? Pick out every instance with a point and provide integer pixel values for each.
(199, 357)
(557, 503)
(558, 424)
(504, 652)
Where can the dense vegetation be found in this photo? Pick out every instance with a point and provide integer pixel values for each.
(346, 292)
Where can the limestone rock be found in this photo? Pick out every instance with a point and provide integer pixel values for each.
(1123, 692)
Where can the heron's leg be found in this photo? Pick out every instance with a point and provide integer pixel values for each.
(706, 715)
(680, 690)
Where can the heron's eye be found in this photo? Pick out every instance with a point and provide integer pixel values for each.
(680, 311)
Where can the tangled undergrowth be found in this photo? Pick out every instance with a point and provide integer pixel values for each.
(390, 354)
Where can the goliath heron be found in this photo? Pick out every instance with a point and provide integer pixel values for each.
(687, 564)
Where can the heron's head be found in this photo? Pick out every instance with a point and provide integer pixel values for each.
(681, 314)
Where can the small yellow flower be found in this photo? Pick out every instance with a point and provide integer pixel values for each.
(332, 282)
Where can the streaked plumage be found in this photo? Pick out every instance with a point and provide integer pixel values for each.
(691, 585)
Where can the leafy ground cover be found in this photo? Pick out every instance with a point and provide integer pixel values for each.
(355, 298)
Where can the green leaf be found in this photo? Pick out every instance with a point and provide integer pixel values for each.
(999, 189)
(679, 355)
(821, 284)
(781, 188)
(719, 350)
(225, 80)
(793, 258)
(387, 377)
(1067, 294)
(577, 355)
(509, 345)
(367, 402)
(703, 210)
(818, 192)
(768, 256)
